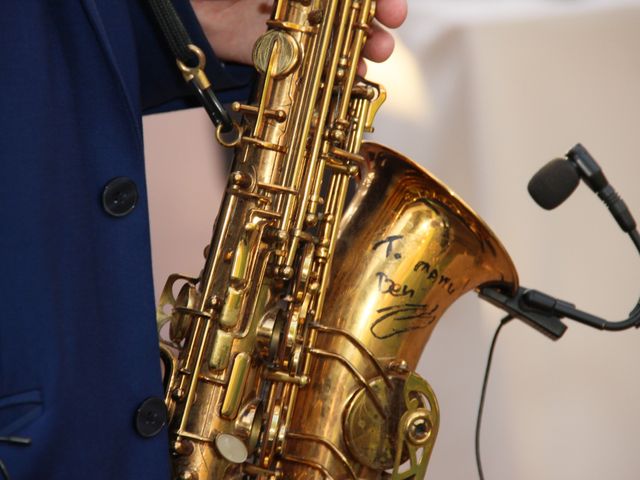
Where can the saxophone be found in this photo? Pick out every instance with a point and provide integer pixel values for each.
(292, 354)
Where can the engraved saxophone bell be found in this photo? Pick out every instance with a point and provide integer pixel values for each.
(407, 249)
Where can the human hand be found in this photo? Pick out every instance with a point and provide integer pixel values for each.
(233, 26)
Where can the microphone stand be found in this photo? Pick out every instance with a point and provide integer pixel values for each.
(544, 312)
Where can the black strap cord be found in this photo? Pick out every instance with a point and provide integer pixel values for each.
(174, 31)
(191, 61)
(503, 322)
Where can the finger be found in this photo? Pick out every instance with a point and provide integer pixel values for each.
(379, 45)
(232, 26)
(391, 13)
(362, 68)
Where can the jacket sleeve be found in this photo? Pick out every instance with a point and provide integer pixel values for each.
(162, 86)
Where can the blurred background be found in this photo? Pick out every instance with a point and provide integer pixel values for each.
(484, 93)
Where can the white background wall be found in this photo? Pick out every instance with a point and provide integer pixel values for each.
(483, 94)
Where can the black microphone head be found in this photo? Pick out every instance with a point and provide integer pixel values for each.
(554, 183)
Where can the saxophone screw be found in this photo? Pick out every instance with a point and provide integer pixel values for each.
(286, 273)
(419, 431)
(399, 366)
(273, 234)
(187, 475)
(315, 17)
(178, 394)
(216, 302)
(311, 220)
(338, 136)
(240, 179)
(182, 448)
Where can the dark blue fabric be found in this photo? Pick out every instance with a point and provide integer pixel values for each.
(78, 346)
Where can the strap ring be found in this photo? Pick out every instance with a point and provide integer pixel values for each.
(226, 143)
(186, 70)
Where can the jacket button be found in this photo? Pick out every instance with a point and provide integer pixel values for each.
(119, 196)
(151, 416)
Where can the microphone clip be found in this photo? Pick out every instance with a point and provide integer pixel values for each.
(545, 322)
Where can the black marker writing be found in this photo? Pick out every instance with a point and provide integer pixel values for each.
(399, 319)
(387, 285)
(389, 241)
(435, 276)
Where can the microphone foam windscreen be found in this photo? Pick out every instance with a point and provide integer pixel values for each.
(554, 183)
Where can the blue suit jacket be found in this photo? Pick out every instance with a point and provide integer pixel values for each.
(78, 345)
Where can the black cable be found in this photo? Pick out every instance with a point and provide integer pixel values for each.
(635, 238)
(503, 322)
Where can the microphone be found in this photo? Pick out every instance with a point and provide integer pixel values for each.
(554, 183)
(551, 186)
(558, 179)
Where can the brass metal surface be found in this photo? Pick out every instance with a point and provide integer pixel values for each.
(292, 354)
(289, 53)
(237, 382)
(370, 437)
(196, 73)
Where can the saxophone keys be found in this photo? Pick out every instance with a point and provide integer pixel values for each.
(346, 156)
(274, 423)
(231, 448)
(369, 437)
(282, 46)
(364, 91)
(181, 319)
(221, 351)
(237, 381)
(278, 115)
(301, 380)
(249, 423)
(231, 309)
(294, 361)
(273, 234)
(269, 335)
(374, 105)
(276, 431)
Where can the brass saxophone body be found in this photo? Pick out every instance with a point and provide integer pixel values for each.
(292, 354)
